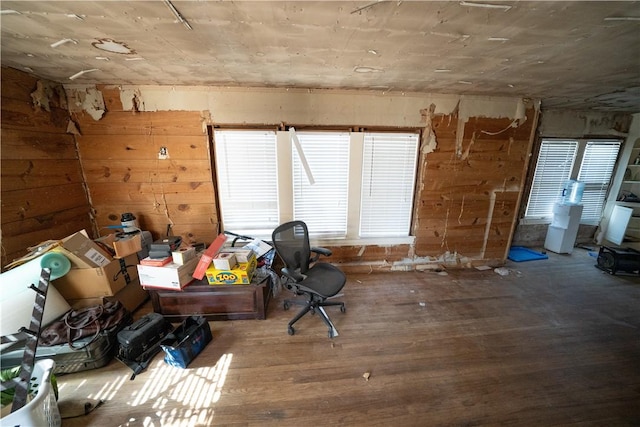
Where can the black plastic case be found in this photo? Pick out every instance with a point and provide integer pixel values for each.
(136, 339)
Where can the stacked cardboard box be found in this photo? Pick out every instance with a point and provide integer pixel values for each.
(95, 274)
(173, 276)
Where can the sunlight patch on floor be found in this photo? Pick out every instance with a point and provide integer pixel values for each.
(163, 395)
(196, 390)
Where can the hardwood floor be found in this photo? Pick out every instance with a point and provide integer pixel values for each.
(556, 342)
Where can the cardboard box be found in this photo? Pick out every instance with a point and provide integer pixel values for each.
(105, 281)
(88, 251)
(225, 261)
(242, 254)
(156, 262)
(76, 262)
(183, 255)
(171, 276)
(131, 296)
(241, 275)
(127, 245)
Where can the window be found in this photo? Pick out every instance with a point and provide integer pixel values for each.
(247, 181)
(591, 162)
(596, 169)
(388, 177)
(359, 185)
(553, 170)
(323, 204)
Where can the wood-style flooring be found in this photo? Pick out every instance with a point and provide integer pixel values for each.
(556, 342)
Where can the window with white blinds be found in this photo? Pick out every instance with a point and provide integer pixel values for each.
(247, 181)
(388, 177)
(591, 162)
(357, 186)
(597, 166)
(323, 204)
(553, 170)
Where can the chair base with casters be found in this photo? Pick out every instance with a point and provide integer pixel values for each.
(304, 276)
(314, 304)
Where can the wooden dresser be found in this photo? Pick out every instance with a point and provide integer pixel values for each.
(214, 302)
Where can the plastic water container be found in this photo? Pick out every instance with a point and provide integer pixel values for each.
(572, 192)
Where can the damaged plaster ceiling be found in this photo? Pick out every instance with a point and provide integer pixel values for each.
(570, 54)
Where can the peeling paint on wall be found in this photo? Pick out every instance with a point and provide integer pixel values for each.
(512, 108)
(206, 120)
(88, 99)
(72, 128)
(48, 93)
(429, 142)
(447, 259)
(131, 99)
(310, 107)
(42, 95)
(465, 155)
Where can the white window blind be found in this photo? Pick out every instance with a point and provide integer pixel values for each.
(596, 169)
(247, 181)
(388, 177)
(323, 205)
(553, 170)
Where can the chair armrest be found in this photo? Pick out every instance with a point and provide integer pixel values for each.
(294, 275)
(322, 251)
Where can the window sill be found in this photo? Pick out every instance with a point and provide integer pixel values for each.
(535, 221)
(374, 241)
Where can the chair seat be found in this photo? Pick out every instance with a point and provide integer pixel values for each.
(324, 279)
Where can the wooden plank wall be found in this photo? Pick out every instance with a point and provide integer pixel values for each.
(467, 196)
(123, 172)
(466, 205)
(469, 200)
(43, 195)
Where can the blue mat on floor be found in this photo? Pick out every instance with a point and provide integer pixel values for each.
(520, 253)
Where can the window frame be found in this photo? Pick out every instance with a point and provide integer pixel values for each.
(285, 152)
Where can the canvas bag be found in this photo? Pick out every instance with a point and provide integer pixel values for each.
(186, 341)
(89, 321)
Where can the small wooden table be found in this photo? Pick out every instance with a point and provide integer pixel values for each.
(214, 302)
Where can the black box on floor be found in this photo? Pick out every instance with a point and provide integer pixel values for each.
(614, 260)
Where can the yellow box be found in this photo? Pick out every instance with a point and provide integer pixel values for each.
(241, 275)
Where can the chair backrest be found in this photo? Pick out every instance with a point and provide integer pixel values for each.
(291, 241)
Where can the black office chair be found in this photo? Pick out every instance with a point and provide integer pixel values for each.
(317, 281)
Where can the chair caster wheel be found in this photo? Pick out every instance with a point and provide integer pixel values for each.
(343, 309)
(286, 307)
(291, 330)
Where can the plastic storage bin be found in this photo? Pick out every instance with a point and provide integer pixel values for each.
(42, 410)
